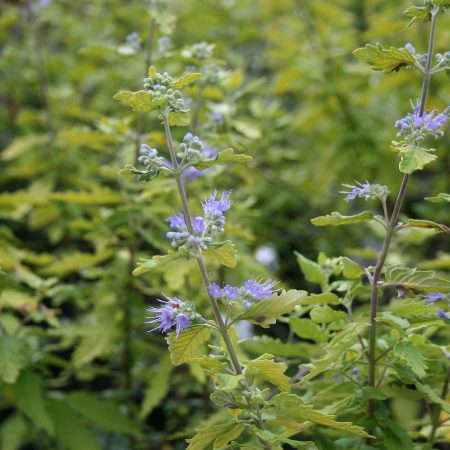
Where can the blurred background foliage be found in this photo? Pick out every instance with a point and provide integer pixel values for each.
(78, 370)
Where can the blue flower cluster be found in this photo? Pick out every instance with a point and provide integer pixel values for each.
(204, 229)
(173, 313)
(248, 292)
(415, 127)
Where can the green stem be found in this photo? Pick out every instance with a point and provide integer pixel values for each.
(391, 228)
(204, 274)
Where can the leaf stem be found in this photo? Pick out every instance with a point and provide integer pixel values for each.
(391, 227)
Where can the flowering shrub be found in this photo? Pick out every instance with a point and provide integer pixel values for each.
(355, 358)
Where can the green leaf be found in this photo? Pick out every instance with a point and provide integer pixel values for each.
(311, 270)
(336, 219)
(351, 269)
(158, 387)
(185, 80)
(335, 349)
(272, 371)
(419, 12)
(224, 157)
(412, 157)
(261, 344)
(432, 396)
(146, 265)
(266, 312)
(13, 432)
(416, 223)
(419, 280)
(186, 345)
(101, 412)
(326, 297)
(292, 409)
(307, 329)
(385, 60)
(142, 101)
(224, 253)
(442, 197)
(70, 429)
(394, 436)
(442, 3)
(30, 400)
(325, 314)
(413, 358)
(221, 434)
(212, 364)
(12, 358)
(179, 119)
(412, 309)
(227, 382)
(393, 320)
(277, 439)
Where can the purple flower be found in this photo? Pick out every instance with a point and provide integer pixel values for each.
(214, 290)
(217, 207)
(356, 191)
(170, 314)
(443, 315)
(230, 292)
(217, 118)
(259, 290)
(177, 221)
(435, 296)
(417, 127)
(355, 371)
(198, 225)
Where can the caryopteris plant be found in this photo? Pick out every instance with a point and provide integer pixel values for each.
(355, 362)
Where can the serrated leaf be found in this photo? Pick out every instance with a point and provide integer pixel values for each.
(442, 3)
(221, 434)
(30, 400)
(394, 436)
(187, 344)
(410, 309)
(12, 358)
(412, 157)
(266, 312)
(393, 320)
(141, 101)
(185, 80)
(385, 60)
(276, 439)
(336, 219)
(101, 197)
(335, 349)
(325, 314)
(212, 364)
(179, 119)
(419, 280)
(69, 427)
(351, 269)
(292, 408)
(146, 265)
(272, 371)
(412, 356)
(225, 254)
(307, 329)
(419, 12)
(103, 413)
(442, 197)
(311, 270)
(224, 157)
(433, 396)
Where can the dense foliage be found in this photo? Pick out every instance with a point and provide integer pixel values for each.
(286, 113)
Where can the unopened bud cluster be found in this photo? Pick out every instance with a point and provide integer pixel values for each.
(159, 86)
(191, 149)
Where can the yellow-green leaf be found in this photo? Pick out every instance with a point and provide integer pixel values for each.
(186, 345)
(419, 280)
(266, 312)
(179, 119)
(413, 358)
(350, 268)
(146, 265)
(221, 434)
(416, 223)
(307, 329)
(442, 197)
(385, 60)
(142, 101)
(12, 358)
(185, 80)
(336, 219)
(272, 371)
(412, 157)
(311, 270)
(325, 314)
(225, 254)
(293, 410)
